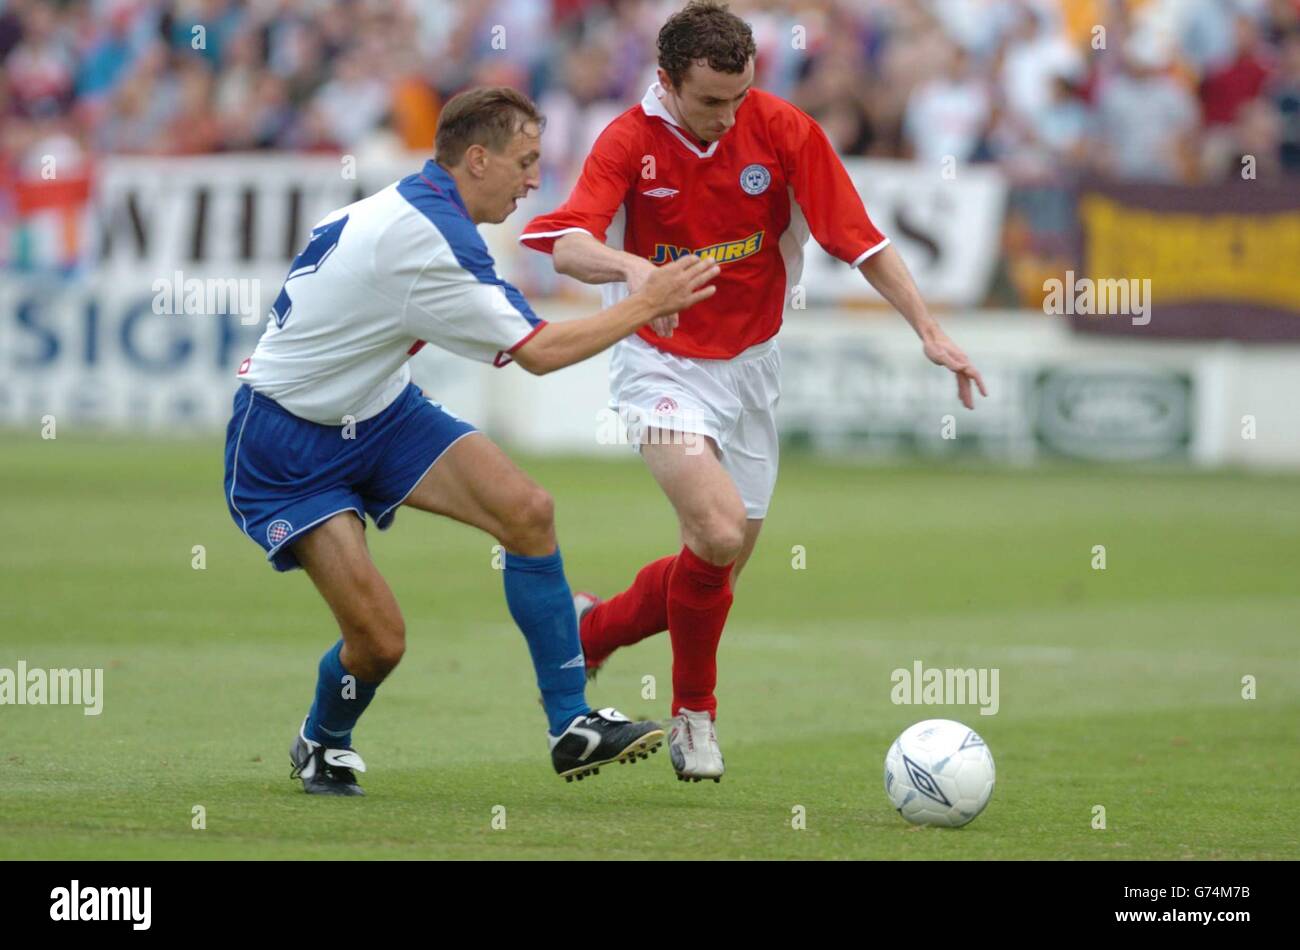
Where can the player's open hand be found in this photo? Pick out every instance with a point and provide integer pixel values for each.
(665, 325)
(673, 287)
(939, 349)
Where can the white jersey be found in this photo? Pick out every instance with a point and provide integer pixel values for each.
(379, 279)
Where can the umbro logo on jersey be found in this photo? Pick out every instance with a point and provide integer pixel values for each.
(660, 192)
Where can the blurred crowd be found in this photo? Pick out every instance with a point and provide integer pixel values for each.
(1161, 90)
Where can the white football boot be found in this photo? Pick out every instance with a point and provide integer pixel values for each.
(693, 747)
(324, 771)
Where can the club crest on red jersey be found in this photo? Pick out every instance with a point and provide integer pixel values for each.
(755, 179)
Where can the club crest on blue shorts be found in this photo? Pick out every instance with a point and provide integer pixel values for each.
(286, 475)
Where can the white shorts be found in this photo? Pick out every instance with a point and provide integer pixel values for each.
(731, 401)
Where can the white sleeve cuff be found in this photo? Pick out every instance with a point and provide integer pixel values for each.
(870, 252)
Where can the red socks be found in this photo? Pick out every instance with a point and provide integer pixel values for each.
(699, 597)
(683, 593)
(629, 617)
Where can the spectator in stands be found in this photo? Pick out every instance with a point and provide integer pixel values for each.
(1286, 99)
(330, 74)
(1036, 53)
(355, 101)
(1147, 118)
(946, 117)
(194, 127)
(41, 67)
(141, 107)
(1257, 138)
(1240, 80)
(579, 109)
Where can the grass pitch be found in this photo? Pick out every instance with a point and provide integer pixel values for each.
(1119, 687)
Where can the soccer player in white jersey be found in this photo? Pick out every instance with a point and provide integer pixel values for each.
(328, 428)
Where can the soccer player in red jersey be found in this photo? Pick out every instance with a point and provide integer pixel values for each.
(708, 165)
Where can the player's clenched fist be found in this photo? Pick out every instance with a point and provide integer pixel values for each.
(681, 284)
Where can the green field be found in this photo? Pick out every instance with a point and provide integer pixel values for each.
(1119, 688)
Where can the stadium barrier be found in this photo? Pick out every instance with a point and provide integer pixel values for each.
(100, 355)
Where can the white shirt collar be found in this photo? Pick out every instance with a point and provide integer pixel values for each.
(652, 105)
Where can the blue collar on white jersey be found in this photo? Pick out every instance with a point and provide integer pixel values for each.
(439, 179)
(432, 192)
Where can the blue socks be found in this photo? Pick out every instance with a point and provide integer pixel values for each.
(542, 605)
(341, 698)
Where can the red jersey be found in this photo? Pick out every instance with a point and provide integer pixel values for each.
(748, 201)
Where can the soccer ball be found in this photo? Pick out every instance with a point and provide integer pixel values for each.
(939, 772)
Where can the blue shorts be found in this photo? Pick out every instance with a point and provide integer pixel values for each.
(286, 475)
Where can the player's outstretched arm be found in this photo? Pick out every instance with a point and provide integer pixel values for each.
(671, 288)
(582, 257)
(886, 271)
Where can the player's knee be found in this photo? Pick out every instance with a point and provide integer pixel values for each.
(720, 536)
(381, 643)
(531, 519)
(387, 653)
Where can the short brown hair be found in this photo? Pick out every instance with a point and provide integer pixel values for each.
(488, 116)
(704, 30)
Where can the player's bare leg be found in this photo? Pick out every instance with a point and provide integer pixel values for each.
(711, 518)
(476, 483)
(336, 558)
(338, 562)
(710, 514)
(641, 610)
(752, 527)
